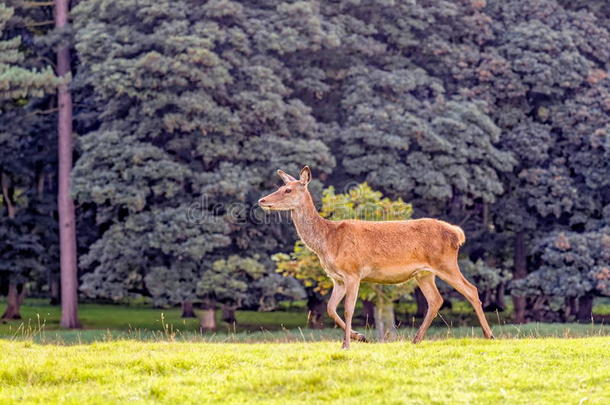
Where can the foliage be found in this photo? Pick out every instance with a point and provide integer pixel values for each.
(484, 275)
(153, 251)
(489, 114)
(193, 112)
(227, 281)
(16, 81)
(27, 155)
(574, 265)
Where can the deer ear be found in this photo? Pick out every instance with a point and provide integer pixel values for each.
(285, 176)
(305, 175)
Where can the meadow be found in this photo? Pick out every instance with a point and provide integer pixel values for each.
(104, 322)
(457, 371)
(143, 355)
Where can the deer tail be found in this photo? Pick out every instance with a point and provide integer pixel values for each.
(461, 236)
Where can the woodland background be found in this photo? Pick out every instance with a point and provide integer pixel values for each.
(489, 114)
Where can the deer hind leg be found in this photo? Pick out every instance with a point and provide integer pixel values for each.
(335, 298)
(435, 301)
(453, 276)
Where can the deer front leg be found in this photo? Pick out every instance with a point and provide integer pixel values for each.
(351, 292)
(335, 298)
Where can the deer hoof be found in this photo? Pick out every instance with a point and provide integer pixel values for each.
(360, 337)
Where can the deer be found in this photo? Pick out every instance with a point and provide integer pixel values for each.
(384, 252)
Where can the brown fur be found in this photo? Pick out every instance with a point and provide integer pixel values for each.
(388, 252)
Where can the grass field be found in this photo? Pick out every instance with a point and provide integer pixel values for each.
(144, 355)
(101, 322)
(455, 371)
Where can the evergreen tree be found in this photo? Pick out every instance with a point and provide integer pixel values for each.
(194, 114)
(26, 224)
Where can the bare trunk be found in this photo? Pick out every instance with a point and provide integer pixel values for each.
(500, 292)
(207, 320)
(486, 298)
(65, 205)
(316, 309)
(14, 299)
(187, 309)
(422, 304)
(585, 308)
(385, 321)
(369, 312)
(228, 314)
(7, 195)
(519, 272)
(54, 290)
(571, 309)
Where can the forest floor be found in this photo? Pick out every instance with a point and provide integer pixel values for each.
(456, 371)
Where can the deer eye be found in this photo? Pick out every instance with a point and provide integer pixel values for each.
(287, 191)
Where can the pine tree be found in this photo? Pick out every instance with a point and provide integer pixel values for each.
(26, 224)
(194, 115)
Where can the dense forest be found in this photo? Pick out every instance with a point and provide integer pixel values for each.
(493, 115)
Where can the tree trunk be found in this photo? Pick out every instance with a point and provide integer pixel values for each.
(500, 292)
(519, 272)
(187, 309)
(14, 299)
(65, 205)
(207, 320)
(486, 298)
(7, 195)
(585, 309)
(369, 312)
(228, 314)
(54, 290)
(422, 304)
(385, 321)
(316, 309)
(571, 309)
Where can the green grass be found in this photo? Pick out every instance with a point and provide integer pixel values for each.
(127, 318)
(144, 355)
(40, 324)
(456, 371)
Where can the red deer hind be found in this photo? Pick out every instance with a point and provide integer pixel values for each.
(385, 252)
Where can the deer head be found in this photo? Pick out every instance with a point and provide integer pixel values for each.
(291, 195)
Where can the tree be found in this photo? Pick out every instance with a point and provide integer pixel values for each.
(551, 125)
(360, 202)
(65, 204)
(226, 283)
(574, 269)
(489, 114)
(194, 117)
(26, 224)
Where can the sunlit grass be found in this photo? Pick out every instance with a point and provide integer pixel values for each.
(474, 371)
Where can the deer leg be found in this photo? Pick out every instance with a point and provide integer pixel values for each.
(335, 298)
(434, 299)
(456, 280)
(351, 295)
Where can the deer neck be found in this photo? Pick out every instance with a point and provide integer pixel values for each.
(311, 227)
